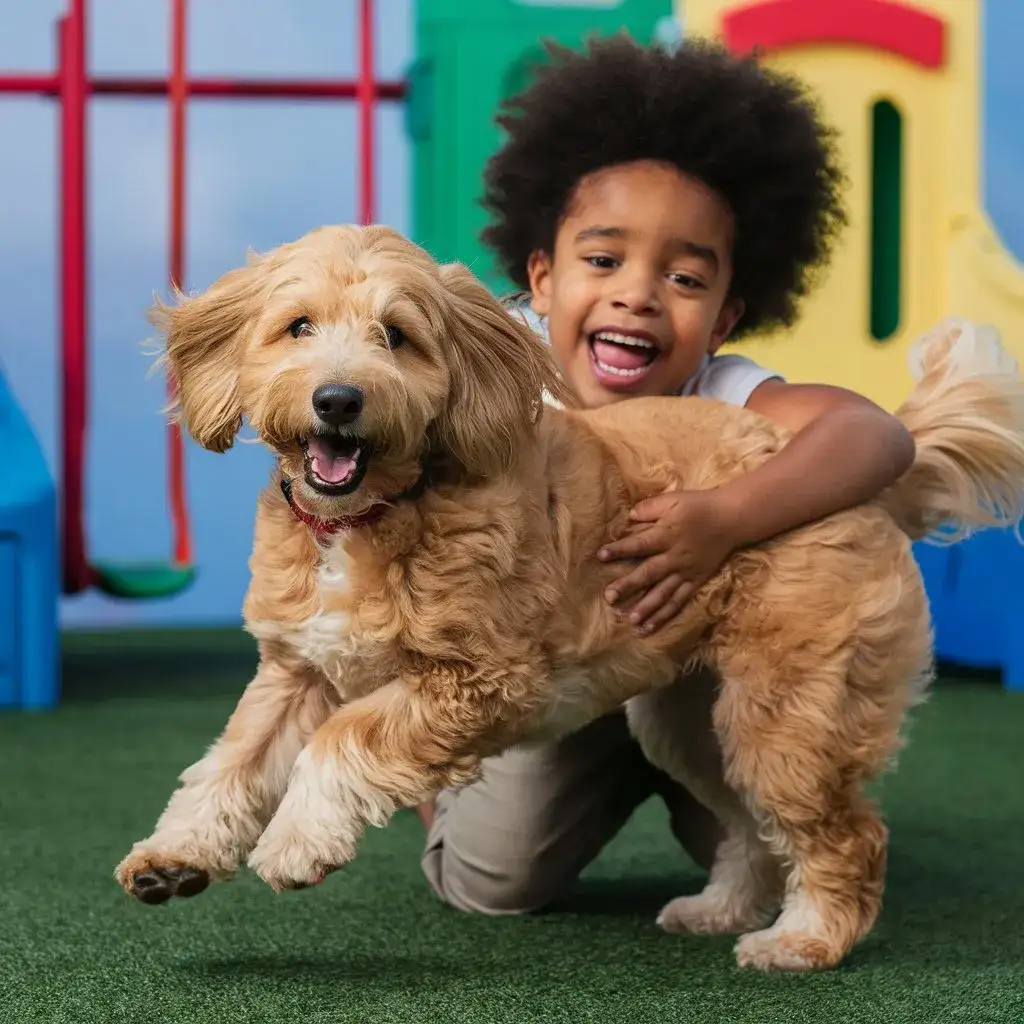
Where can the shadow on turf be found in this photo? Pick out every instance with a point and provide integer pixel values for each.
(334, 965)
(935, 914)
(641, 896)
(949, 905)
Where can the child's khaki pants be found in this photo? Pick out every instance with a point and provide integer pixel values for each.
(517, 838)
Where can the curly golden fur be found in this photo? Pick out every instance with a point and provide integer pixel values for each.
(396, 655)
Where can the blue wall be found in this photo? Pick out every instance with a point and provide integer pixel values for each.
(259, 173)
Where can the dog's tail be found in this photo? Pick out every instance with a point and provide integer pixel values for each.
(966, 416)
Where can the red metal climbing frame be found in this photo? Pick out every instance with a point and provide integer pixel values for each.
(71, 85)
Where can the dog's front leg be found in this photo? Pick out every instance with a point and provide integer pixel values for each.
(390, 749)
(224, 801)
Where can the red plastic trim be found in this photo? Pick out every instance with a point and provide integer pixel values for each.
(178, 92)
(207, 88)
(31, 84)
(74, 316)
(897, 28)
(365, 101)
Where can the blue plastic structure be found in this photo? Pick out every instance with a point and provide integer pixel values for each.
(29, 581)
(976, 591)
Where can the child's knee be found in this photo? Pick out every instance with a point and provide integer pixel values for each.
(514, 841)
(505, 886)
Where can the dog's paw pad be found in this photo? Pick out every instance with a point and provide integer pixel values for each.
(149, 880)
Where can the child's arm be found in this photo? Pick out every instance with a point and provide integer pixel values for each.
(845, 451)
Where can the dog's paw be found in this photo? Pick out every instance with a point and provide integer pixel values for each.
(314, 832)
(708, 913)
(153, 877)
(774, 950)
(288, 858)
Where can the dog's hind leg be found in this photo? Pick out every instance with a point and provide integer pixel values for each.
(789, 750)
(674, 728)
(833, 893)
(215, 817)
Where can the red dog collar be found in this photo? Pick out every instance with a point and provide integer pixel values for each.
(323, 528)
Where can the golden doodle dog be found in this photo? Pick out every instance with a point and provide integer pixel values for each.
(425, 588)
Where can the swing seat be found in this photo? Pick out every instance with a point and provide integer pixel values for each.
(137, 580)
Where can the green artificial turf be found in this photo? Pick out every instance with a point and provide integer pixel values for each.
(372, 944)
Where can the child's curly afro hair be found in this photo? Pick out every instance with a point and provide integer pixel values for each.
(751, 134)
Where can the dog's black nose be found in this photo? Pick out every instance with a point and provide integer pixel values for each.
(338, 404)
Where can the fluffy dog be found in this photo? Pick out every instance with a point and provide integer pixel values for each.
(425, 588)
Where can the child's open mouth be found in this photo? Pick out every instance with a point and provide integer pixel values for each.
(620, 359)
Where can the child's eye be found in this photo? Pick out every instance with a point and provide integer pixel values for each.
(686, 281)
(603, 262)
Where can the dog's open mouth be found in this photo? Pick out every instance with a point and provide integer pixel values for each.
(335, 463)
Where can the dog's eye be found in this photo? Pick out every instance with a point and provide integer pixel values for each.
(301, 328)
(395, 337)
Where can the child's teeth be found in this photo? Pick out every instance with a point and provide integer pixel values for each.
(624, 339)
(618, 371)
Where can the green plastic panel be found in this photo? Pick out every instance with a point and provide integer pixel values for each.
(886, 218)
(471, 54)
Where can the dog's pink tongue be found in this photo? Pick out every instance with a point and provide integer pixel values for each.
(328, 464)
(622, 357)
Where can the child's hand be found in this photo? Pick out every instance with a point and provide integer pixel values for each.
(686, 537)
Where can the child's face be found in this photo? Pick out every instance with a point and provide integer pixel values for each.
(636, 290)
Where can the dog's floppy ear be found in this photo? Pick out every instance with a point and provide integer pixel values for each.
(500, 370)
(204, 335)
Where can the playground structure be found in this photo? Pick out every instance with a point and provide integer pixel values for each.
(901, 81)
(28, 659)
(72, 86)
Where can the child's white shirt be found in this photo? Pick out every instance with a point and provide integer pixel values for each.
(729, 378)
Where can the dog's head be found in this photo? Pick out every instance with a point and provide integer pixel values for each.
(354, 355)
